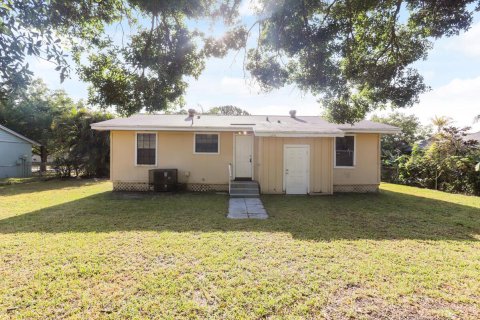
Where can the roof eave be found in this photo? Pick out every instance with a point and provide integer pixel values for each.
(371, 131)
(157, 128)
(18, 135)
(299, 134)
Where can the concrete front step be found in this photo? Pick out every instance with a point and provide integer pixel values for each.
(245, 192)
(244, 188)
(242, 195)
(239, 189)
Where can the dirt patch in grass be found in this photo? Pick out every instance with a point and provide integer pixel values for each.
(354, 302)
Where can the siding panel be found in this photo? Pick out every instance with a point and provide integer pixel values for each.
(271, 165)
(8, 137)
(10, 165)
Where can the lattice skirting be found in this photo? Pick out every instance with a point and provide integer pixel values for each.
(359, 188)
(131, 186)
(202, 187)
(144, 186)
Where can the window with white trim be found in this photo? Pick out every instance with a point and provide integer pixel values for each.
(206, 143)
(146, 148)
(345, 151)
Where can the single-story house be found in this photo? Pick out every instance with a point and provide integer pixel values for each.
(15, 154)
(473, 136)
(284, 154)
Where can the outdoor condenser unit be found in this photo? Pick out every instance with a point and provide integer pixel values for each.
(163, 180)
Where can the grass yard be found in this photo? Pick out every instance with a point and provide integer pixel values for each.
(74, 249)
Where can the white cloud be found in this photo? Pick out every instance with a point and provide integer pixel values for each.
(240, 92)
(459, 100)
(303, 108)
(238, 86)
(468, 42)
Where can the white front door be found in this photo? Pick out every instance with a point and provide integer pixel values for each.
(243, 156)
(297, 163)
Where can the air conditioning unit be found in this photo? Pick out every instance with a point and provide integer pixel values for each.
(163, 180)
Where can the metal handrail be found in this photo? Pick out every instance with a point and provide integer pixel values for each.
(229, 177)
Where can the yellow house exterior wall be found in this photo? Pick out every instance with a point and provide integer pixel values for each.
(175, 150)
(367, 164)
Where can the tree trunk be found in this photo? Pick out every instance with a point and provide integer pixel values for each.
(43, 159)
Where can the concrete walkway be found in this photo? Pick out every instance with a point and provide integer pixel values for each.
(246, 208)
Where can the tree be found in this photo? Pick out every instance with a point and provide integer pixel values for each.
(32, 111)
(411, 131)
(441, 122)
(80, 149)
(228, 111)
(42, 28)
(148, 72)
(356, 56)
(448, 164)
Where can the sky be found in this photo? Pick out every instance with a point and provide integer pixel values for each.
(452, 70)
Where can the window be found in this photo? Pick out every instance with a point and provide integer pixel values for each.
(345, 151)
(206, 143)
(146, 148)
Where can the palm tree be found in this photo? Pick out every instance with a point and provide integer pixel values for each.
(441, 122)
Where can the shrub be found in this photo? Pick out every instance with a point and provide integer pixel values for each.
(448, 164)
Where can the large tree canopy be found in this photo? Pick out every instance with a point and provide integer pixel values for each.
(355, 56)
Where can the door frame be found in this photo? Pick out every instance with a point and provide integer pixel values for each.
(307, 146)
(235, 134)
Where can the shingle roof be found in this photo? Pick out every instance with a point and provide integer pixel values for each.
(18, 135)
(260, 125)
(473, 136)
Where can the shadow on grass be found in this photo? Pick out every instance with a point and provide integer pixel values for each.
(37, 184)
(387, 215)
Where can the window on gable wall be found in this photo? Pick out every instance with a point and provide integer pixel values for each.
(146, 148)
(345, 151)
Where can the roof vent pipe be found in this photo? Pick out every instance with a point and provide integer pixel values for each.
(191, 113)
(293, 113)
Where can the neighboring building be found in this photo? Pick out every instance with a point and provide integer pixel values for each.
(473, 136)
(15, 154)
(285, 154)
(36, 159)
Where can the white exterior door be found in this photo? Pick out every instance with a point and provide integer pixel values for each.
(243, 156)
(296, 172)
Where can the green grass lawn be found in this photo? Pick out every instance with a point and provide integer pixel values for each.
(74, 249)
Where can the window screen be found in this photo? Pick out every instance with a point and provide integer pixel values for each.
(344, 151)
(146, 148)
(206, 143)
